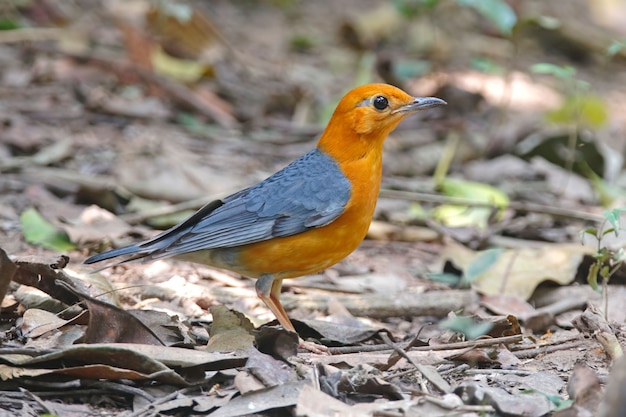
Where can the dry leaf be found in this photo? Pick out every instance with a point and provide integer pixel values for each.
(518, 272)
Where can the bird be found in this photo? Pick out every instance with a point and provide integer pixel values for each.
(304, 218)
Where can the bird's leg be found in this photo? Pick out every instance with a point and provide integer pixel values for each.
(268, 290)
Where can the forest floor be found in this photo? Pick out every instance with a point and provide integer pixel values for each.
(469, 297)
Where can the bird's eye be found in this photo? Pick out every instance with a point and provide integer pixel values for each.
(380, 102)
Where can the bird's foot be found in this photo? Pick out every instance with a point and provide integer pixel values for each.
(313, 347)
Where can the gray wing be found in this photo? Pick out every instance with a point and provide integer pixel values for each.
(310, 192)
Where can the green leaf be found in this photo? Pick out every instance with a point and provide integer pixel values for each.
(585, 109)
(466, 325)
(613, 217)
(602, 254)
(608, 231)
(592, 276)
(487, 66)
(411, 68)
(481, 264)
(182, 12)
(565, 72)
(604, 272)
(447, 278)
(413, 8)
(592, 231)
(497, 11)
(615, 47)
(455, 215)
(559, 403)
(8, 24)
(472, 190)
(38, 231)
(607, 193)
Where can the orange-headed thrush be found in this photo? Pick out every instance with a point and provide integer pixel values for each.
(304, 218)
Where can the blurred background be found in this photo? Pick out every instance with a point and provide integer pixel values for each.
(128, 103)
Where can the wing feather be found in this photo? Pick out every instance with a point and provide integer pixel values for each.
(310, 192)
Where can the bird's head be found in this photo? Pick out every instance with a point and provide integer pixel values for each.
(370, 112)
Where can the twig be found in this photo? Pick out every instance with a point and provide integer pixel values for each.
(507, 272)
(394, 304)
(515, 205)
(480, 409)
(449, 151)
(553, 343)
(195, 204)
(161, 400)
(395, 357)
(122, 388)
(134, 218)
(449, 346)
(455, 369)
(38, 400)
(426, 372)
(520, 372)
(527, 354)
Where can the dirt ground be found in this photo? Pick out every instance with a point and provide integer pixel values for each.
(469, 297)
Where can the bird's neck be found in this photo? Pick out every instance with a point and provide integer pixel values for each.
(346, 146)
(359, 157)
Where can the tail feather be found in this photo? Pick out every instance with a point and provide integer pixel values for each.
(126, 250)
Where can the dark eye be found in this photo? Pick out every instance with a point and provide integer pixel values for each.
(380, 102)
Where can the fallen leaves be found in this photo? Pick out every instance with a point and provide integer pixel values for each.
(91, 117)
(114, 344)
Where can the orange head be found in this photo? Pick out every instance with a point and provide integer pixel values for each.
(364, 118)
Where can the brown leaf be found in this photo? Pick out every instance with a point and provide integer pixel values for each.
(367, 380)
(47, 279)
(614, 404)
(284, 395)
(584, 388)
(507, 304)
(337, 333)
(474, 356)
(245, 382)
(96, 224)
(37, 322)
(133, 361)
(138, 45)
(277, 342)
(504, 402)
(196, 37)
(109, 323)
(229, 331)
(268, 370)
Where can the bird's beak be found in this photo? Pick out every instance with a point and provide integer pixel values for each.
(420, 103)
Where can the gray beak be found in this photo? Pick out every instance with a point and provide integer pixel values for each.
(420, 103)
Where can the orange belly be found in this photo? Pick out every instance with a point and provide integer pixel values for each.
(307, 253)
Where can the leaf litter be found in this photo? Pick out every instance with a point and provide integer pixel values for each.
(171, 338)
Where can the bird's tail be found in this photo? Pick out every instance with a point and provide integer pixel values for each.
(126, 250)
